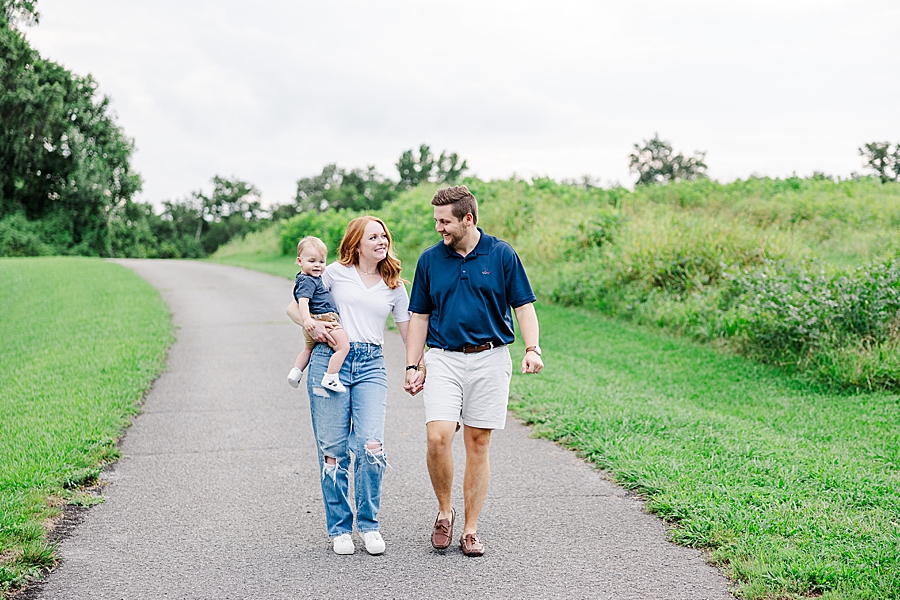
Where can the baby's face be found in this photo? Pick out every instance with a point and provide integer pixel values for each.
(311, 262)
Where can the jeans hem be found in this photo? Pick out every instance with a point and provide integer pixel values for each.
(332, 536)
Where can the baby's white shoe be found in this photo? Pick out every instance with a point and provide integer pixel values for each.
(294, 377)
(331, 382)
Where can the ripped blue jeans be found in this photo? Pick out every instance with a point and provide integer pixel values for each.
(347, 422)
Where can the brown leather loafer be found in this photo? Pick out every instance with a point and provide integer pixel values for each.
(471, 545)
(443, 531)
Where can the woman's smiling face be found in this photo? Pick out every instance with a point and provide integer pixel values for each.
(373, 246)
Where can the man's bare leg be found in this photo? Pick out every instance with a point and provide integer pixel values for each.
(440, 462)
(478, 473)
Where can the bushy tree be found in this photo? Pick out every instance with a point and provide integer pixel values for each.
(414, 170)
(15, 11)
(197, 225)
(334, 187)
(882, 159)
(64, 162)
(656, 162)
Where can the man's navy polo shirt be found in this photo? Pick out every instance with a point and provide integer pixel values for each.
(469, 298)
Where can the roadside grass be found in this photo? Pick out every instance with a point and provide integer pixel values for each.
(82, 340)
(260, 251)
(793, 490)
(273, 264)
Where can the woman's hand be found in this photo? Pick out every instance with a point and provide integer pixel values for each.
(320, 332)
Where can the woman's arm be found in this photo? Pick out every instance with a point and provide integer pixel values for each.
(403, 327)
(320, 329)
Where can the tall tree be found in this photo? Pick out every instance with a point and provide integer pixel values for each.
(656, 162)
(880, 158)
(334, 187)
(197, 225)
(415, 169)
(63, 159)
(19, 11)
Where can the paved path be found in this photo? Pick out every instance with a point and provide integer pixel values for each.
(217, 493)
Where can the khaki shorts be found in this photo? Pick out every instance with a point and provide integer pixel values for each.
(470, 388)
(328, 317)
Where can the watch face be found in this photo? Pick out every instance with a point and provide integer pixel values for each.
(536, 350)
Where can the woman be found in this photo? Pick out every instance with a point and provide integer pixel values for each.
(366, 286)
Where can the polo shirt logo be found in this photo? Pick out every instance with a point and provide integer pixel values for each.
(485, 272)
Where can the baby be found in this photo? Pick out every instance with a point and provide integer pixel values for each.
(316, 304)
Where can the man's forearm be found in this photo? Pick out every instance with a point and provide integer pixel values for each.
(528, 324)
(415, 338)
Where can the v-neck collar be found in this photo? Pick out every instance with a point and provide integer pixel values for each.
(363, 283)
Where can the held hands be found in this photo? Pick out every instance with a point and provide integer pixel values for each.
(415, 381)
(532, 363)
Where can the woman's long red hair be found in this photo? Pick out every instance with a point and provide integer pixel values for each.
(389, 267)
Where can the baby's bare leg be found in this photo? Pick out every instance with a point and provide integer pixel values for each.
(303, 359)
(300, 364)
(341, 349)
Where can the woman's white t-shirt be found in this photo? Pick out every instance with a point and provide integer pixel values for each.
(363, 310)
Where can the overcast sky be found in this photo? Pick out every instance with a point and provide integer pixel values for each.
(273, 90)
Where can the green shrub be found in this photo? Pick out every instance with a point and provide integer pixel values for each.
(20, 237)
(842, 326)
(329, 226)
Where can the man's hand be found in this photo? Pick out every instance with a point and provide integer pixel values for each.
(532, 363)
(415, 381)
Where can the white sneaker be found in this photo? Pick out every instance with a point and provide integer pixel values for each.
(294, 377)
(374, 543)
(343, 544)
(331, 382)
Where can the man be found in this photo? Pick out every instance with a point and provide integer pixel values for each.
(460, 305)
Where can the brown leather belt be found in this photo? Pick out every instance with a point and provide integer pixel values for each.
(470, 349)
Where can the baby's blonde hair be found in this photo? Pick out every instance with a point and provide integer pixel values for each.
(315, 243)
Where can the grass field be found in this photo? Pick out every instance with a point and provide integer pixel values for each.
(794, 491)
(82, 339)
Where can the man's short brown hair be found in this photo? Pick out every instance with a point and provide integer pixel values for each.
(460, 199)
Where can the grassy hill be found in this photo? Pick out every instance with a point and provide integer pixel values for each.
(801, 273)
